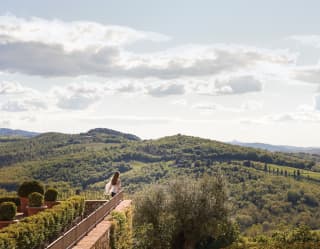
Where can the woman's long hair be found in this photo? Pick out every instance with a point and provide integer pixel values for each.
(115, 178)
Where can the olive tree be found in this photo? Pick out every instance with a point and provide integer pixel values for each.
(183, 214)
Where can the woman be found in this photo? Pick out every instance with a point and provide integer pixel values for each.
(113, 186)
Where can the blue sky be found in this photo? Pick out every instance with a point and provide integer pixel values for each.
(245, 70)
(256, 22)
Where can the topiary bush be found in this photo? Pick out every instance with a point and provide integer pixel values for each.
(29, 187)
(51, 194)
(35, 199)
(13, 199)
(8, 210)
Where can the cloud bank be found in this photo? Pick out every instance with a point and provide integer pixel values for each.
(54, 48)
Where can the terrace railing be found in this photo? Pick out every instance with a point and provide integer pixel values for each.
(76, 233)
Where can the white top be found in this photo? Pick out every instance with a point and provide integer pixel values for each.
(109, 188)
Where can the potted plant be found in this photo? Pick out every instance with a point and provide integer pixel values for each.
(50, 197)
(8, 211)
(25, 190)
(36, 201)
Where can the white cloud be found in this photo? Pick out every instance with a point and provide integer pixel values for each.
(317, 102)
(77, 96)
(71, 36)
(14, 106)
(239, 85)
(180, 102)
(252, 105)
(310, 108)
(23, 105)
(309, 74)
(310, 40)
(58, 48)
(5, 123)
(30, 118)
(230, 85)
(307, 117)
(197, 61)
(7, 87)
(130, 120)
(130, 88)
(166, 90)
(209, 107)
(52, 60)
(296, 117)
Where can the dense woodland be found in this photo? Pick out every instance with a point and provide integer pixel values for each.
(267, 191)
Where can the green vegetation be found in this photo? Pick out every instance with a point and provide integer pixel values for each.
(27, 188)
(300, 237)
(8, 210)
(35, 199)
(184, 214)
(51, 194)
(121, 229)
(37, 230)
(265, 189)
(14, 199)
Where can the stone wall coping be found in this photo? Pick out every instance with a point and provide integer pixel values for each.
(101, 229)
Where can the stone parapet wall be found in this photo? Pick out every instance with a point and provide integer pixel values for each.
(99, 237)
(92, 205)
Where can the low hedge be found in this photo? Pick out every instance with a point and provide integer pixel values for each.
(40, 229)
(6, 242)
(14, 199)
(121, 229)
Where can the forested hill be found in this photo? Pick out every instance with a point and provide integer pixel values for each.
(48, 145)
(261, 182)
(86, 158)
(126, 147)
(186, 148)
(182, 149)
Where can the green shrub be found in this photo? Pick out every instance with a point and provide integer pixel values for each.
(14, 199)
(293, 197)
(121, 230)
(51, 194)
(7, 242)
(29, 187)
(35, 231)
(35, 199)
(8, 210)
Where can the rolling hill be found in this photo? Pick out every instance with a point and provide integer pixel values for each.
(259, 181)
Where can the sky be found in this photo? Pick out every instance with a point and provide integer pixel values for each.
(225, 70)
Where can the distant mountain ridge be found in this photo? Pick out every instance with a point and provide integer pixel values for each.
(6, 132)
(17, 133)
(279, 148)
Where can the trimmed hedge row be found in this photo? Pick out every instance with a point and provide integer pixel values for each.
(121, 229)
(40, 229)
(14, 199)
